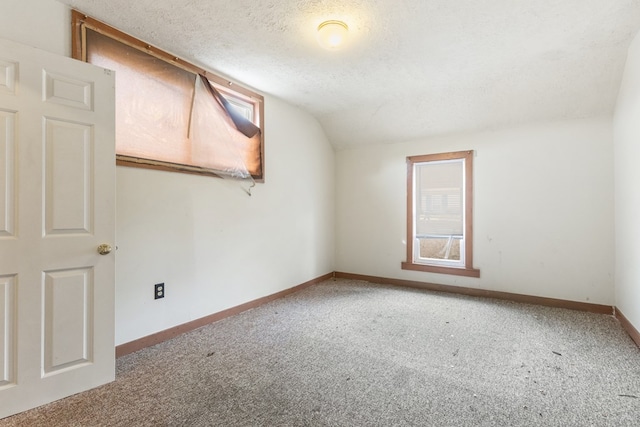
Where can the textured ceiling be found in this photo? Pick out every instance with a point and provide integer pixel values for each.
(411, 68)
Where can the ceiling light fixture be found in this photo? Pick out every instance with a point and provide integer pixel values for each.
(331, 34)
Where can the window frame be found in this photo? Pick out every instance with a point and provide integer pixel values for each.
(80, 22)
(466, 267)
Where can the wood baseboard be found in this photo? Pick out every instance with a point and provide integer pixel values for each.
(628, 326)
(527, 299)
(167, 334)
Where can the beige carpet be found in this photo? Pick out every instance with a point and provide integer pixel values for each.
(347, 353)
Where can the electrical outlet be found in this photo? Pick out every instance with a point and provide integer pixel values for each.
(158, 291)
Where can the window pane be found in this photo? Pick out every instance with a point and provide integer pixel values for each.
(216, 143)
(440, 193)
(441, 248)
(240, 107)
(153, 101)
(439, 211)
(163, 116)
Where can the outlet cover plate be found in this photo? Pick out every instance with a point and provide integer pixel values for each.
(158, 291)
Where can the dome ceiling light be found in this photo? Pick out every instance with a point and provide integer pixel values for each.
(332, 34)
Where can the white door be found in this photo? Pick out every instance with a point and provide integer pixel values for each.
(57, 188)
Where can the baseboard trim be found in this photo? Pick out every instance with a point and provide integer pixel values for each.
(527, 299)
(167, 334)
(628, 326)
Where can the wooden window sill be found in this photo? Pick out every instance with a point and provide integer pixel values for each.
(468, 272)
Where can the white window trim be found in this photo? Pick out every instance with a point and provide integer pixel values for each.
(417, 259)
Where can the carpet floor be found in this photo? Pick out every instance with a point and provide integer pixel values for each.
(350, 353)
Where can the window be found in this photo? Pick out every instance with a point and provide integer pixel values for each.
(170, 114)
(439, 214)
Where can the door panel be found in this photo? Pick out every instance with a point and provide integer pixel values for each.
(68, 314)
(69, 172)
(7, 330)
(57, 195)
(8, 76)
(7, 173)
(68, 91)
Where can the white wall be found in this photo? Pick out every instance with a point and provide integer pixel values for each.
(215, 247)
(45, 24)
(543, 220)
(543, 205)
(627, 194)
(212, 245)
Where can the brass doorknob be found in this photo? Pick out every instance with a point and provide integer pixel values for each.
(104, 249)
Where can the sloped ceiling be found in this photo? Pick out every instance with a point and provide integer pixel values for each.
(412, 68)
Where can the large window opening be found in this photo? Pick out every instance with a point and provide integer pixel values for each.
(170, 114)
(439, 214)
